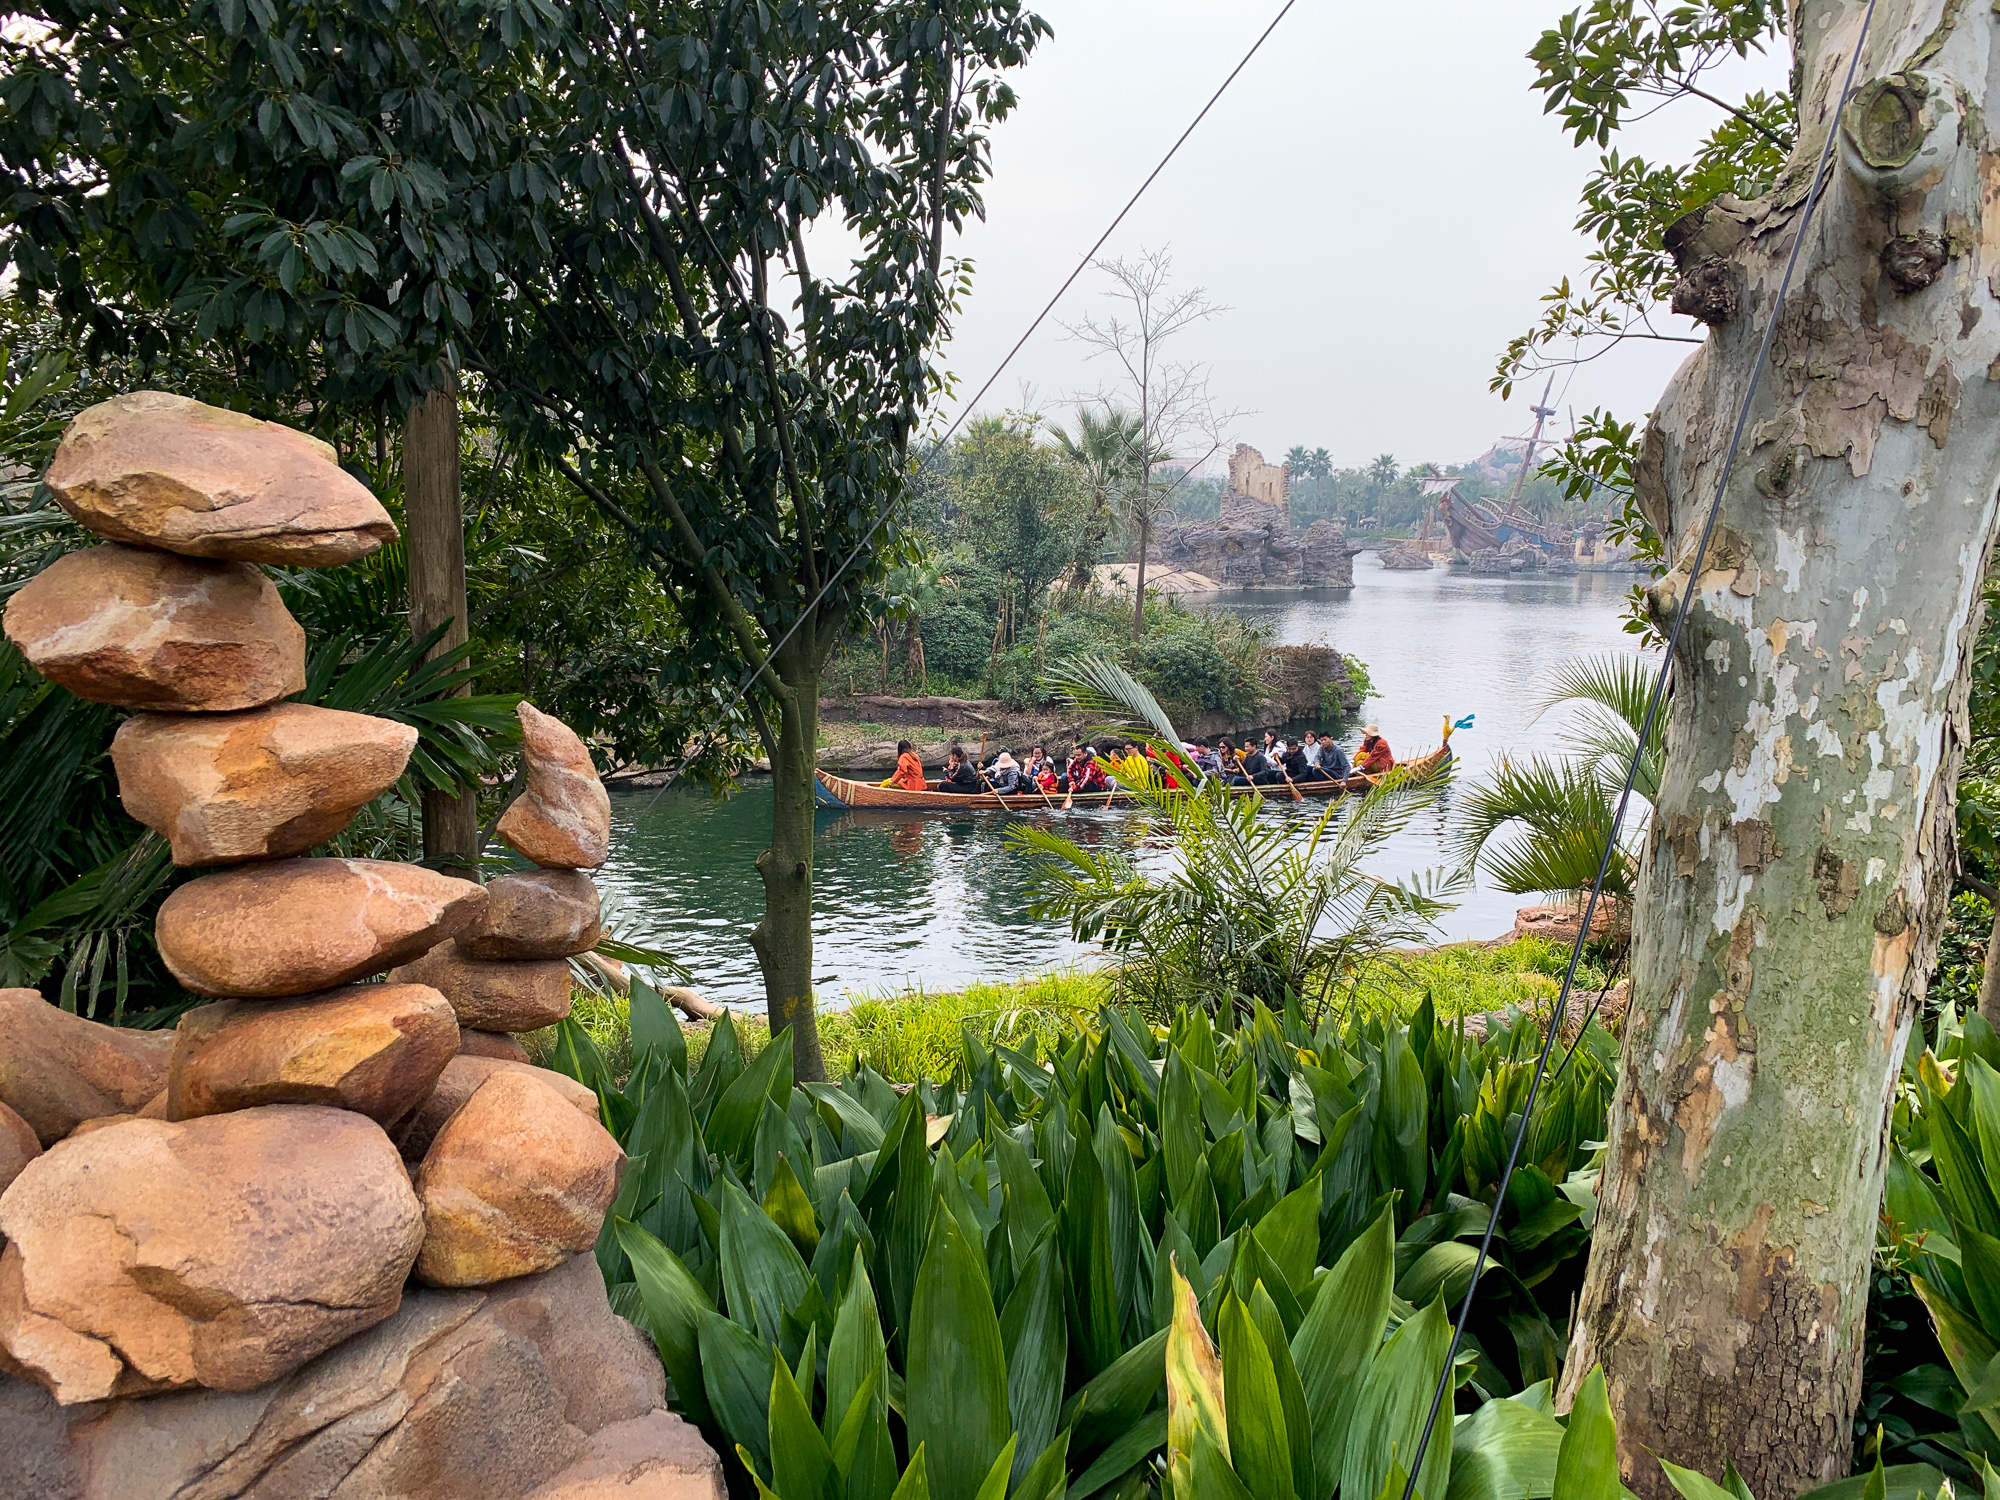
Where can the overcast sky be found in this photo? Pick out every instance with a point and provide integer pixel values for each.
(1379, 200)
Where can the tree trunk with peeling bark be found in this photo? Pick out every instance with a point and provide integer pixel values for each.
(1799, 864)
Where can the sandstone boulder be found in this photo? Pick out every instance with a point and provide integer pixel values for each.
(462, 1395)
(376, 1049)
(306, 924)
(495, 1044)
(225, 788)
(537, 914)
(223, 1252)
(1558, 923)
(460, 1080)
(150, 630)
(58, 1070)
(493, 996)
(563, 820)
(516, 1182)
(18, 1145)
(162, 471)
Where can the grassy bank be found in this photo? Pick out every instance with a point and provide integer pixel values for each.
(915, 1033)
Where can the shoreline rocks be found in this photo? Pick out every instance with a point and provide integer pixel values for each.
(222, 1252)
(272, 782)
(158, 470)
(268, 931)
(493, 996)
(148, 630)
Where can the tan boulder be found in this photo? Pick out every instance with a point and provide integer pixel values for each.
(225, 788)
(462, 1395)
(58, 1070)
(493, 996)
(306, 924)
(18, 1145)
(222, 1252)
(563, 820)
(535, 914)
(460, 1080)
(515, 1182)
(149, 630)
(376, 1049)
(162, 471)
(497, 1044)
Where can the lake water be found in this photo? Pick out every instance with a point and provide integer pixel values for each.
(937, 901)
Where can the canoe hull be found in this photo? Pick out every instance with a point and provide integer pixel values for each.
(840, 792)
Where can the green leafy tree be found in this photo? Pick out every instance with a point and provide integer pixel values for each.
(742, 415)
(1020, 504)
(1105, 448)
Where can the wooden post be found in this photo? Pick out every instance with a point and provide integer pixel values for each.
(434, 536)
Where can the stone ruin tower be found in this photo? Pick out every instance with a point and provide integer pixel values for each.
(329, 1236)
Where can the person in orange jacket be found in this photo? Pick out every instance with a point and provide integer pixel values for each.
(909, 773)
(1374, 755)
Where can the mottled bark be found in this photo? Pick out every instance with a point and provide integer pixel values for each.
(1799, 864)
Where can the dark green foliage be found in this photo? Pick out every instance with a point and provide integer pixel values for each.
(989, 1260)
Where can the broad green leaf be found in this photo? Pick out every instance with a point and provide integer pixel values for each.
(859, 1130)
(674, 1305)
(656, 1031)
(1046, 1478)
(1394, 1403)
(956, 1374)
(1212, 1476)
(1980, 1256)
(1291, 1391)
(762, 1272)
(736, 1375)
(1035, 1334)
(914, 1485)
(994, 1486)
(1027, 1211)
(1289, 1234)
(855, 1352)
(1506, 1450)
(1338, 1339)
(1898, 1481)
(1117, 1398)
(1587, 1466)
(801, 1463)
(1693, 1485)
(1146, 1436)
(731, 1129)
(1180, 1125)
(1195, 1391)
(1260, 1449)
(790, 1209)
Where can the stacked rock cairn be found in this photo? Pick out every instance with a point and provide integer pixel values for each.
(212, 1209)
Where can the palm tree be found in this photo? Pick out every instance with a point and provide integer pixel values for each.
(1254, 911)
(1539, 826)
(1106, 448)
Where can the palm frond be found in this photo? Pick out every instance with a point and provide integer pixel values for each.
(1100, 688)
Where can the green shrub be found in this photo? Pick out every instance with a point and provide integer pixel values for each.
(1185, 671)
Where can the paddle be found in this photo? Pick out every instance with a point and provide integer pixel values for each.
(1297, 795)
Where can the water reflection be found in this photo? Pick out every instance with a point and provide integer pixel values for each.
(939, 901)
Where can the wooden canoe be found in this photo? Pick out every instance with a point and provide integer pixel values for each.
(839, 791)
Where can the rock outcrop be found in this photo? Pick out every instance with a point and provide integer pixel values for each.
(225, 788)
(377, 1049)
(563, 820)
(223, 1252)
(58, 1070)
(144, 630)
(1252, 545)
(529, 1388)
(536, 914)
(19, 1145)
(306, 924)
(493, 996)
(163, 471)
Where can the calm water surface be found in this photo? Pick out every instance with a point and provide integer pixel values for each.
(938, 901)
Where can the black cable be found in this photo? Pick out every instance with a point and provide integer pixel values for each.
(1090, 255)
(1632, 771)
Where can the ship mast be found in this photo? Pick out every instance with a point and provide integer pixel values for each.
(1542, 413)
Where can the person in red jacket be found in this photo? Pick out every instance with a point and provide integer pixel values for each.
(1374, 756)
